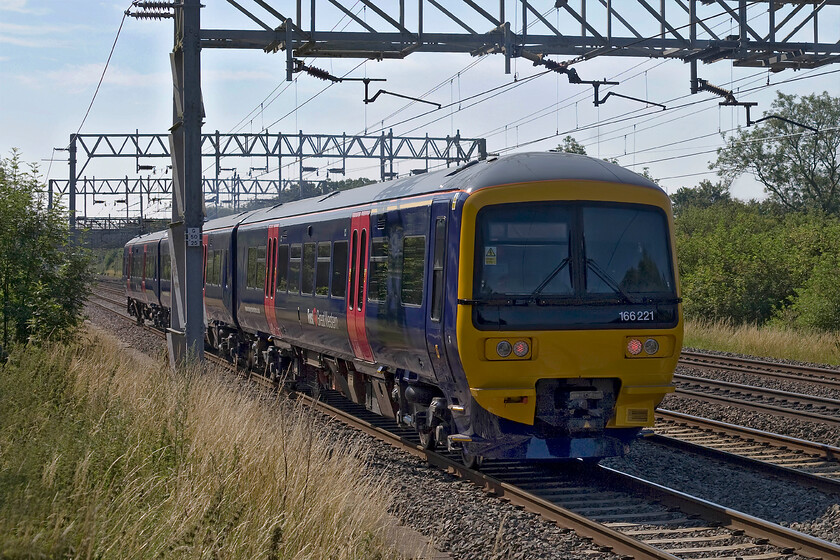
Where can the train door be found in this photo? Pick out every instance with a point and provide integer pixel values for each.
(437, 277)
(271, 279)
(143, 280)
(357, 285)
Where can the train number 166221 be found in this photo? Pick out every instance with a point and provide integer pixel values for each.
(635, 315)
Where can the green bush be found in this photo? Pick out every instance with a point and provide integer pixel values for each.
(44, 276)
(751, 263)
(817, 304)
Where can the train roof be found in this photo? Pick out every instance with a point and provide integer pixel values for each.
(148, 237)
(475, 175)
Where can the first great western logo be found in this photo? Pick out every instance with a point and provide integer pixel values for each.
(321, 319)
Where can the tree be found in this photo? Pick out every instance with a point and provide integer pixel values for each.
(702, 196)
(571, 146)
(798, 168)
(44, 277)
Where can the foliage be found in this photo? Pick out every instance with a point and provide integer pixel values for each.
(751, 262)
(733, 263)
(799, 169)
(108, 262)
(702, 196)
(44, 277)
(105, 454)
(571, 146)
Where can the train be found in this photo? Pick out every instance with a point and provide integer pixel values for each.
(524, 307)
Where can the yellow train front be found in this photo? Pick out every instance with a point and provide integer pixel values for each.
(567, 314)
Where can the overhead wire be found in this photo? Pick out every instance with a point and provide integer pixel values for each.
(629, 115)
(105, 69)
(98, 85)
(507, 87)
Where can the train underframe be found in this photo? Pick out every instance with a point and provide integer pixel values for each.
(159, 316)
(571, 415)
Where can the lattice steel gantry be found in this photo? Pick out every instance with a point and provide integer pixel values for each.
(770, 33)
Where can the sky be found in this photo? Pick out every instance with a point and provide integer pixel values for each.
(52, 54)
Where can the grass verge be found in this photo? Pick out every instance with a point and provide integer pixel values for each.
(770, 341)
(106, 454)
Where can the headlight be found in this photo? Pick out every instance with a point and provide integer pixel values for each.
(651, 346)
(503, 349)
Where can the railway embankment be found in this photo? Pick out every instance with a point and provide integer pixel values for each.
(105, 454)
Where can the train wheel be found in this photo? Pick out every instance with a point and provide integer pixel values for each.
(427, 438)
(470, 460)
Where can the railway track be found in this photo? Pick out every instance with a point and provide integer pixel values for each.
(760, 399)
(621, 513)
(809, 463)
(823, 376)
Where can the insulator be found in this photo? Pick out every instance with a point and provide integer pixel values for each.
(150, 15)
(703, 85)
(154, 5)
(321, 74)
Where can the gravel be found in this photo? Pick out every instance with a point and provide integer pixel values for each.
(467, 523)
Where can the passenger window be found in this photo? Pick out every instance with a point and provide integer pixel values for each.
(322, 270)
(378, 283)
(294, 268)
(339, 269)
(260, 278)
(208, 266)
(150, 266)
(414, 254)
(215, 270)
(251, 281)
(308, 282)
(282, 267)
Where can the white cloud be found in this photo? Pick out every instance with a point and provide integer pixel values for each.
(20, 6)
(37, 35)
(80, 78)
(239, 76)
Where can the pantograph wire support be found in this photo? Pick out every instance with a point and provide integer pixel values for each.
(730, 101)
(574, 78)
(300, 66)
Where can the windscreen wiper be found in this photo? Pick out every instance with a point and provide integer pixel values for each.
(560, 266)
(609, 281)
(496, 300)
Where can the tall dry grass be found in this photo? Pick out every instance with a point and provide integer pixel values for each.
(770, 341)
(105, 454)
